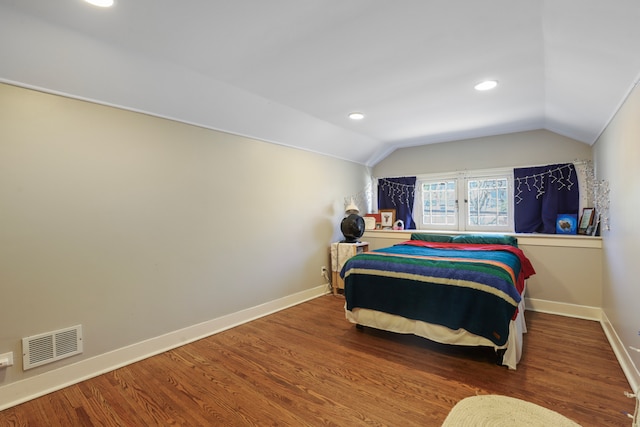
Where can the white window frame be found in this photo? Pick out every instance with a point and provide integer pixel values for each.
(419, 201)
(462, 205)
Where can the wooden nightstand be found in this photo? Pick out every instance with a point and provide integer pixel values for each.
(340, 253)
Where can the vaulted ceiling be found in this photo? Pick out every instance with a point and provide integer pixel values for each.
(290, 71)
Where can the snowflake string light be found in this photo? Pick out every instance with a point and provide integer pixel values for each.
(402, 192)
(556, 175)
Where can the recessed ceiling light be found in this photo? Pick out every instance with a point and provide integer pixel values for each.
(356, 116)
(486, 85)
(101, 3)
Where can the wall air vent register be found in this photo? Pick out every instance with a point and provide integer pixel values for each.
(51, 346)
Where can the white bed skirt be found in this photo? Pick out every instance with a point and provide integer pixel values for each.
(442, 334)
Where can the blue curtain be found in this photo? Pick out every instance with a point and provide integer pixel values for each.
(541, 194)
(398, 194)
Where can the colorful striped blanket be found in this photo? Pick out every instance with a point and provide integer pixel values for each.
(469, 286)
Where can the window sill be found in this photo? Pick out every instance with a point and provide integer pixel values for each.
(524, 239)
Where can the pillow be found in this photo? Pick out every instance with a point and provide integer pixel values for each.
(486, 239)
(441, 238)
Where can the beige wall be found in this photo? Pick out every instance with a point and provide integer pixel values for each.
(532, 148)
(617, 154)
(134, 226)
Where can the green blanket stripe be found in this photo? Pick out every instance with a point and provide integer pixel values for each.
(478, 266)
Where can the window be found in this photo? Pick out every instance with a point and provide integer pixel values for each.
(486, 199)
(439, 203)
(488, 202)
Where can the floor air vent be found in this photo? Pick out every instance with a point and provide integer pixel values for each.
(46, 348)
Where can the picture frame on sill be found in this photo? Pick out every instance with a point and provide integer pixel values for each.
(593, 229)
(376, 221)
(387, 217)
(369, 222)
(566, 224)
(586, 221)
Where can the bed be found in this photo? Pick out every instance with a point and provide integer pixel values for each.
(461, 290)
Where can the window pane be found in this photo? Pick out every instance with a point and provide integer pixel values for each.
(439, 203)
(487, 202)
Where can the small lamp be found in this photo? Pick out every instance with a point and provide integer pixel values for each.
(352, 226)
(351, 208)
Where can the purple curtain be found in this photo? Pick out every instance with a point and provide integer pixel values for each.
(541, 193)
(398, 194)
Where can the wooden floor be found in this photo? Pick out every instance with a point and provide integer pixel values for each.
(308, 366)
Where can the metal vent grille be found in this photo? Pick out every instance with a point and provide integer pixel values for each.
(51, 346)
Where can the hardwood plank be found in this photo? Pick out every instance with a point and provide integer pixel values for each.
(308, 366)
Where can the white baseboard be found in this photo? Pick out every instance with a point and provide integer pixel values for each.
(564, 309)
(33, 387)
(626, 363)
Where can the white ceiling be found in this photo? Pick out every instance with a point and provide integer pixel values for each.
(289, 71)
